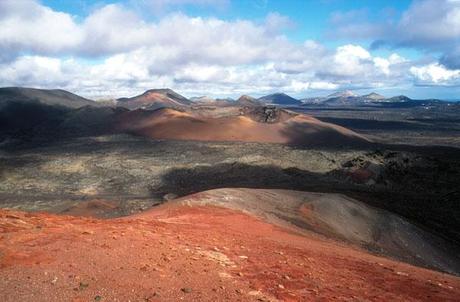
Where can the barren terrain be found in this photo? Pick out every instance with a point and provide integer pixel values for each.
(195, 254)
(302, 208)
(410, 126)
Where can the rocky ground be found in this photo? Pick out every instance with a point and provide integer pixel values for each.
(276, 249)
(418, 126)
(135, 173)
(195, 254)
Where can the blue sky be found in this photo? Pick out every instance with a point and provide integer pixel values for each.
(230, 47)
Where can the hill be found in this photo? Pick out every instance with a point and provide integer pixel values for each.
(349, 99)
(247, 101)
(154, 99)
(279, 99)
(373, 96)
(196, 253)
(342, 94)
(337, 217)
(53, 97)
(260, 124)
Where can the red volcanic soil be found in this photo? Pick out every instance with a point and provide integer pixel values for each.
(173, 124)
(155, 98)
(195, 254)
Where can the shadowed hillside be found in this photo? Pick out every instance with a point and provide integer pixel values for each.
(56, 97)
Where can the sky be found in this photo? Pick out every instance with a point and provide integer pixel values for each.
(226, 48)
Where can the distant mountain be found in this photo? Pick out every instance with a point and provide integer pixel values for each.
(399, 98)
(373, 96)
(209, 101)
(349, 99)
(53, 97)
(342, 94)
(247, 101)
(154, 99)
(202, 99)
(313, 100)
(279, 99)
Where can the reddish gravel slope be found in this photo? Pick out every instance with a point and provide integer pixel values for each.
(173, 124)
(195, 254)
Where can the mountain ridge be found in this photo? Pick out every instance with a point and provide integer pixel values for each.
(54, 97)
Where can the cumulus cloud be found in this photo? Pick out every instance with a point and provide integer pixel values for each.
(451, 58)
(435, 74)
(113, 51)
(354, 66)
(26, 26)
(132, 72)
(428, 25)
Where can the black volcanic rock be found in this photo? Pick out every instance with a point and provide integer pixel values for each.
(279, 99)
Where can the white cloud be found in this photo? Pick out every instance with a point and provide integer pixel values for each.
(385, 64)
(298, 86)
(113, 29)
(427, 25)
(113, 51)
(353, 62)
(350, 60)
(435, 73)
(26, 26)
(430, 21)
(29, 26)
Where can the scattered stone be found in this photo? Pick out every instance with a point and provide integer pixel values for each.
(219, 257)
(144, 268)
(254, 293)
(98, 298)
(83, 285)
(169, 196)
(186, 290)
(224, 275)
